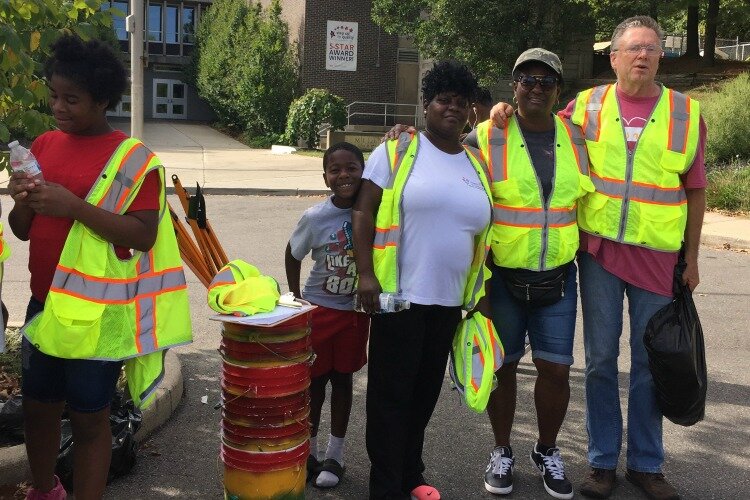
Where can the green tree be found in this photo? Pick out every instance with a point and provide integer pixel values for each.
(27, 29)
(244, 66)
(488, 36)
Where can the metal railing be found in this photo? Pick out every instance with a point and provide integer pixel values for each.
(389, 112)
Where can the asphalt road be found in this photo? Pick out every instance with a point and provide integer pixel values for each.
(706, 461)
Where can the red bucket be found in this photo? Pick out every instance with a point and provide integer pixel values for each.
(238, 408)
(263, 444)
(261, 390)
(265, 421)
(302, 397)
(271, 374)
(255, 351)
(294, 327)
(265, 461)
(278, 432)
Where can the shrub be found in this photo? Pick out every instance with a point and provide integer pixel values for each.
(244, 66)
(729, 188)
(309, 112)
(727, 117)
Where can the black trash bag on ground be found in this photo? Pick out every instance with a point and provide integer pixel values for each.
(11, 421)
(124, 420)
(677, 356)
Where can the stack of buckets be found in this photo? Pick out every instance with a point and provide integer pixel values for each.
(266, 407)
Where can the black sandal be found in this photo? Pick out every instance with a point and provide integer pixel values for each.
(331, 465)
(313, 467)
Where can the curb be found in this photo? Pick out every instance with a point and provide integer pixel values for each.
(14, 467)
(716, 240)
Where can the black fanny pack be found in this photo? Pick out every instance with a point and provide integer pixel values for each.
(536, 288)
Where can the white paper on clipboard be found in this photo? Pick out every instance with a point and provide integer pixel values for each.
(278, 315)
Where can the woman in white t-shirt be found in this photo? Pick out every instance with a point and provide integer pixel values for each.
(444, 210)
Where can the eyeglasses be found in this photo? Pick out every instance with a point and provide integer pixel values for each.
(529, 81)
(634, 50)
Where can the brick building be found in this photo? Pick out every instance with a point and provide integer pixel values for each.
(386, 70)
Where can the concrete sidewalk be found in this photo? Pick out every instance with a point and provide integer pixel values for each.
(220, 164)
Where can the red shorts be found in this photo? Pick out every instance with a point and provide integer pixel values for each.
(339, 339)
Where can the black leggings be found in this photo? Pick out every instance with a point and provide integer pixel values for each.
(408, 355)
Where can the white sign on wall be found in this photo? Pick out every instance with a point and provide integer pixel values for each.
(341, 47)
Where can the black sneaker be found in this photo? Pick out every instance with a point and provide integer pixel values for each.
(498, 478)
(553, 473)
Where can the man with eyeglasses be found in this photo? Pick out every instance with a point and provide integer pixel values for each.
(646, 146)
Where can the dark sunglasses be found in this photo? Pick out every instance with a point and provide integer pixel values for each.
(529, 81)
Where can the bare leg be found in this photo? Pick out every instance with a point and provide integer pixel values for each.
(341, 402)
(551, 396)
(42, 436)
(92, 452)
(317, 398)
(501, 407)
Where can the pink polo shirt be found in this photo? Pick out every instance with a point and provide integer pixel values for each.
(645, 268)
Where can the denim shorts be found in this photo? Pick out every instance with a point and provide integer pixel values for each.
(86, 385)
(551, 329)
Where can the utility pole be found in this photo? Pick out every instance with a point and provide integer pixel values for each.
(135, 26)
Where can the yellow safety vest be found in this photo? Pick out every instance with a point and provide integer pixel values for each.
(476, 355)
(527, 234)
(239, 287)
(402, 153)
(639, 198)
(4, 248)
(102, 307)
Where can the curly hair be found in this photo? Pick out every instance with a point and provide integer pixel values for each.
(449, 76)
(91, 65)
(346, 146)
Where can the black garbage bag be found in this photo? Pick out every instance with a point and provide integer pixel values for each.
(11, 421)
(124, 420)
(677, 356)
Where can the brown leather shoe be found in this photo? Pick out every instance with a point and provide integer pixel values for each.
(599, 483)
(653, 484)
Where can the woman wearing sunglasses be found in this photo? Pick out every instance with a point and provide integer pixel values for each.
(539, 169)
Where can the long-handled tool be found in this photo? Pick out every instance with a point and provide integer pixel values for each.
(189, 251)
(182, 194)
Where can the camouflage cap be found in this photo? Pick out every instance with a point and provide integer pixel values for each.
(540, 55)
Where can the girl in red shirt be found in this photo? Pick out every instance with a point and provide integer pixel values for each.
(85, 80)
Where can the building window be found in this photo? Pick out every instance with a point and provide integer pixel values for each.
(172, 28)
(154, 23)
(188, 25)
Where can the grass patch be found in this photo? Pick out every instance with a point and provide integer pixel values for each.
(10, 360)
(729, 188)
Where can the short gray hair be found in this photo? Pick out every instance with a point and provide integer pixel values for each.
(635, 22)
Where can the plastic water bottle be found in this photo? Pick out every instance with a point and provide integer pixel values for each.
(389, 302)
(22, 160)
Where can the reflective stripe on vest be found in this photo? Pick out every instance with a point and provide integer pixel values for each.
(592, 120)
(615, 188)
(135, 161)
